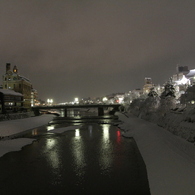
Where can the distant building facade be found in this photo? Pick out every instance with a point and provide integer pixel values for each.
(13, 81)
(183, 77)
(10, 101)
(34, 98)
(148, 85)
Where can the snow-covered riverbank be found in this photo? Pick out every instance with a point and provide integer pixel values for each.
(170, 160)
(14, 127)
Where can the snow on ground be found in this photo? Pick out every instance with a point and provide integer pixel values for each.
(170, 160)
(14, 127)
(10, 129)
(13, 145)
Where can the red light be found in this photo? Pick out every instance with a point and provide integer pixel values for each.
(118, 139)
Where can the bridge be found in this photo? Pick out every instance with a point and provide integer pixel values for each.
(100, 108)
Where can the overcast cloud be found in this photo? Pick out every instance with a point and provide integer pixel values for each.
(93, 48)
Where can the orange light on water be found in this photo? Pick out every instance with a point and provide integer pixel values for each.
(118, 133)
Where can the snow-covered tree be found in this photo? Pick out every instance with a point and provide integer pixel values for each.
(136, 105)
(167, 100)
(169, 91)
(188, 96)
(152, 93)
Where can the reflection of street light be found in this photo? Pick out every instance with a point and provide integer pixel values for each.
(49, 101)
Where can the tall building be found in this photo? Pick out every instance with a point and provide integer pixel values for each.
(148, 85)
(12, 80)
(34, 98)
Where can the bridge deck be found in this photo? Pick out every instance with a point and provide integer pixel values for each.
(100, 107)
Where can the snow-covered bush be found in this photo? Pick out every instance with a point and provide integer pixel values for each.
(166, 112)
(135, 106)
(188, 96)
(167, 99)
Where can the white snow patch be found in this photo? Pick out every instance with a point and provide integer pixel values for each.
(13, 145)
(13, 127)
(170, 160)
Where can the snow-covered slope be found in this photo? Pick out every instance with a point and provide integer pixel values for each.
(170, 160)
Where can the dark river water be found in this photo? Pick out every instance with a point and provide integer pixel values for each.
(92, 159)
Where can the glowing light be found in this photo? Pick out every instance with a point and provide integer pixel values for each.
(49, 101)
(183, 81)
(106, 132)
(105, 99)
(118, 137)
(77, 133)
(51, 127)
(76, 100)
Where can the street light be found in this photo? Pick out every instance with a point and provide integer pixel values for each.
(76, 100)
(49, 101)
(105, 99)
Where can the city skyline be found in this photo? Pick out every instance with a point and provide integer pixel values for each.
(80, 49)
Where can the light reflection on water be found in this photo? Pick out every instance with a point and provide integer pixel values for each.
(35, 132)
(53, 158)
(77, 146)
(78, 153)
(50, 127)
(106, 157)
(77, 133)
(52, 153)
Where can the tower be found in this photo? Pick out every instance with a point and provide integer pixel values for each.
(15, 70)
(8, 67)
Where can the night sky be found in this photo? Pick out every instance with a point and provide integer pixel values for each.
(92, 48)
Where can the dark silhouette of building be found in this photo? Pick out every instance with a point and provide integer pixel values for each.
(13, 81)
(10, 101)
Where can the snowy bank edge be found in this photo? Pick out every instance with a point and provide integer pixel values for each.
(14, 128)
(14, 145)
(160, 181)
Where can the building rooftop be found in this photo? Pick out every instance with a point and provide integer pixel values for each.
(10, 92)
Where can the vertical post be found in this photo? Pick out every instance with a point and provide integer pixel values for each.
(65, 112)
(100, 111)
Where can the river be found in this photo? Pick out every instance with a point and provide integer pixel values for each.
(92, 159)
